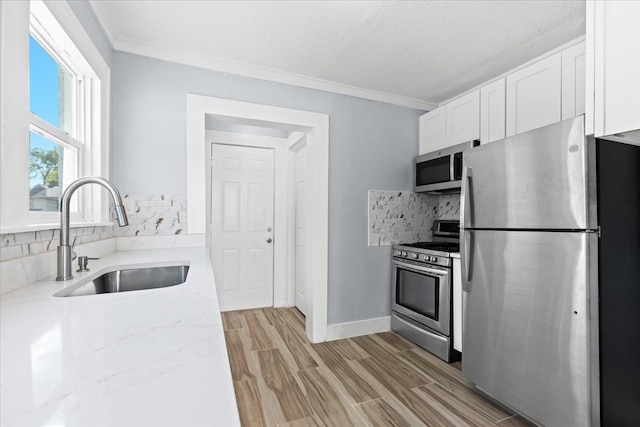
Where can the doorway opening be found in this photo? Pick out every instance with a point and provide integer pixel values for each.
(300, 199)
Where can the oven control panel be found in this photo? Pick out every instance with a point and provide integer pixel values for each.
(423, 258)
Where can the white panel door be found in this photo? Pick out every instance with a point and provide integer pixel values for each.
(492, 111)
(242, 225)
(301, 231)
(433, 130)
(534, 96)
(463, 119)
(573, 81)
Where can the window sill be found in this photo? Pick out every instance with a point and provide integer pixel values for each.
(56, 226)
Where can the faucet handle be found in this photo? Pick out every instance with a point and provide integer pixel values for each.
(74, 254)
(83, 263)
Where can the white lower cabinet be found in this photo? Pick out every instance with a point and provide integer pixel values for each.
(457, 305)
(534, 96)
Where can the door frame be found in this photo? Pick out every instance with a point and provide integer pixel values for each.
(280, 201)
(316, 128)
(297, 140)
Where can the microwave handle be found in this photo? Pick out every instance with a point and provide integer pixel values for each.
(452, 167)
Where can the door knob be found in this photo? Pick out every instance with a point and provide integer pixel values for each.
(269, 240)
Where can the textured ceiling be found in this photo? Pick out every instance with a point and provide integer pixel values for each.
(423, 50)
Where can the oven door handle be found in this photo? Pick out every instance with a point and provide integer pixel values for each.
(420, 269)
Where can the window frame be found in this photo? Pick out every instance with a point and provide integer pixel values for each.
(91, 96)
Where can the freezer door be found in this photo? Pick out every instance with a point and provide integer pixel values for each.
(535, 180)
(525, 338)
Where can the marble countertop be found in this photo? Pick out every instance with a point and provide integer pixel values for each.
(143, 358)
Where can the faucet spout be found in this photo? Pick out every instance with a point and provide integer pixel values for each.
(64, 250)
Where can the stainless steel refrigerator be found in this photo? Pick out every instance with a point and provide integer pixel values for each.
(529, 257)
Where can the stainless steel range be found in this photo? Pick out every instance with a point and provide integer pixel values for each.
(422, 290)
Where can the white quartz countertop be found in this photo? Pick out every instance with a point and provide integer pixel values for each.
(142, 358)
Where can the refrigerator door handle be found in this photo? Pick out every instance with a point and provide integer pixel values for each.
(466, 206)
(467, 255)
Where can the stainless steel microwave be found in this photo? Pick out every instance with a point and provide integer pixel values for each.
(441, 171)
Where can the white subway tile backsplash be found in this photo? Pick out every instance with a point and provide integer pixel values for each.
(22, 270)
(400, 216)
(406, 217)
(155, 214)
(8, 252)
(15, 245)
(25, 238)
(7, 240)
(449, 206)
(31, 256)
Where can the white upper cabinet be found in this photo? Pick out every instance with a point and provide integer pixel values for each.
(573, 80)
(534, 95)
(492, 111)
(433, 130)
(545, 92)
(453, 123)
(463, 119)
(613, 58)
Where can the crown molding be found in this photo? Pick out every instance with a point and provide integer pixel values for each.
(101, 14)
(262, 73)
(222, 65)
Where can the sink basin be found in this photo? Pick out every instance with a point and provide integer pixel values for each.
(134, 279)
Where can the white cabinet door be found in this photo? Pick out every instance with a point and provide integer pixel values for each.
(433, 130)
(457, 305)
(616, 25)
(463, 119)
(242, 185)
(573, 80)
(534, 96)
(492, 111)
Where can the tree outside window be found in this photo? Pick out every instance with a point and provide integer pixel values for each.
(51, 99)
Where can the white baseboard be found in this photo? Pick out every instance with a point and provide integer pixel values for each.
(340, 331)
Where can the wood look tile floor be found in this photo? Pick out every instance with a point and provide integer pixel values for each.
(280, 379)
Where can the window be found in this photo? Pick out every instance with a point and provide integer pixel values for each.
(60, 111)
(54, 116)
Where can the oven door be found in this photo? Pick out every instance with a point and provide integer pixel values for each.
(422, 293)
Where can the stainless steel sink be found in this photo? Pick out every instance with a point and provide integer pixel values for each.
(134, 279)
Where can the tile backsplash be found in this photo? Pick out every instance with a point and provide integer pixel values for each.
(156, 214)
(406, 217)
(149, 215)
(29, 257)
(400, 216)
(449, 206)
(16, 245)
